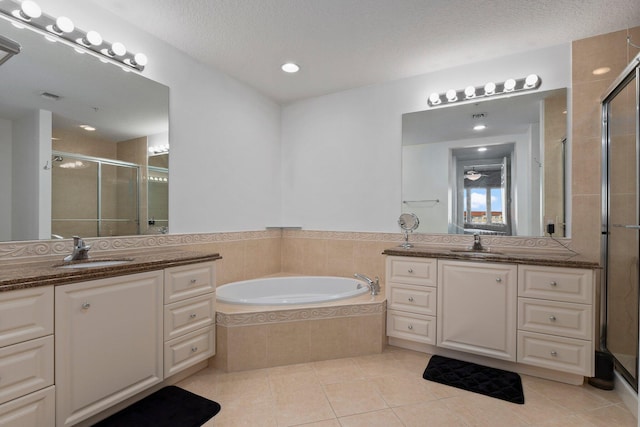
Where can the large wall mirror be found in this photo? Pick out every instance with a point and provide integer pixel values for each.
(84, 145)
(493, 167)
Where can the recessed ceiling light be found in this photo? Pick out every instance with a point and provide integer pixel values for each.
(479, 127)
(88, 128)
(290, 67)
(482, 149)
(600, 71)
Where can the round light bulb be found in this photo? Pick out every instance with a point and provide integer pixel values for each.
(140, 59)
(290, 67)
(451, 95)
(531, 80)
(63, 25)
(470, 92)
(509, 85)
(30, 9)
(92, 38)
(117, 49)
(490, 88)
(434, 98)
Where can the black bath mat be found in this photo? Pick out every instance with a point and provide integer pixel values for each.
(492, 382)
(170, 406)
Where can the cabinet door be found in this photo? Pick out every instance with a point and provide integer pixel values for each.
(477, 304)
(108, 343)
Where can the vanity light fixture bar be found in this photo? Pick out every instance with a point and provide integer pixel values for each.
(27, 14)
(532, 81)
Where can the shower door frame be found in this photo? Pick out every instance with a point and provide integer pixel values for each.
(631, 72)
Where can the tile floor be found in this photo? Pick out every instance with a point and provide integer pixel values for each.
(387, 390)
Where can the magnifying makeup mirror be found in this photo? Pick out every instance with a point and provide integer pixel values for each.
(408, 222)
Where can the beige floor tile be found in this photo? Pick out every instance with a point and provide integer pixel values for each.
(325, 423)
(575, 398)
(337, 371)
(246, 412)
(354, 397)
(538, 408)
(246, 383)
(612, 415)
(398, 391)
(288, 382)
(573, 420)
(302, 406)
(481, 411)
(429, 414)
(384, 418)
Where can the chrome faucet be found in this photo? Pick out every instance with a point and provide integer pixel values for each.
(477, 244)
(374, 285)
(80, 250)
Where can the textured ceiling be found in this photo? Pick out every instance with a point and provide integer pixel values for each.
(342, 44)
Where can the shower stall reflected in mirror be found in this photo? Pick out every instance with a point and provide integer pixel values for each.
(94, 197)
(621, 223)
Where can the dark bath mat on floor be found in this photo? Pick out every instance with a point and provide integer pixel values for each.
(492, 382)
(170, 406)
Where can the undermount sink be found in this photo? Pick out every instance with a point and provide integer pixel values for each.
(485, 252)
(92, 264)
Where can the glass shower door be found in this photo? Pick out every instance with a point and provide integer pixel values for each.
(622, 226)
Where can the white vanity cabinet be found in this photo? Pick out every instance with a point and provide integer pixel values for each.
(109, 337)
(555, 318)
(411, 299)
(27, 393)
(477, 307)
(189, 316)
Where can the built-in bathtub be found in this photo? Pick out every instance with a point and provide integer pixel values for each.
(290, 290)
(280, 320)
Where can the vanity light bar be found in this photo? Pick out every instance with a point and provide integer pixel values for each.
(28, 14)
(532, 81)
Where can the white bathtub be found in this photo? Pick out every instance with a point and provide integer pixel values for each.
(290, 290)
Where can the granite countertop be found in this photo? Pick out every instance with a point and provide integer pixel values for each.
(45, 272)
(567, 259)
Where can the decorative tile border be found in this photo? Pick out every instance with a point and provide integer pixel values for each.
(511, 242)
(294, 315)
(13, 251)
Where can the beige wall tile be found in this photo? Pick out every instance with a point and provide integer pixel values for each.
(607, 50)
(366, 334)
(586, 173)
(288, 343)
(248, 347)
(330, 339)
(586, 226)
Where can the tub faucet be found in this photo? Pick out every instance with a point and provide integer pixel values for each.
(374, 285)
(80, 250)
(477, 244)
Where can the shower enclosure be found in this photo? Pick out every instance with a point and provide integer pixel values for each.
(621, 222)
(93, 197)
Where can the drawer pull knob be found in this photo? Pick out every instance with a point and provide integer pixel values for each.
(192, 281)
(410, 327)
(498, 279)
(85, 305)
(554, 353)
(552, 318)
(410, 299)
(410, 270)
(192, 316)
(554, 283)
(194, 349)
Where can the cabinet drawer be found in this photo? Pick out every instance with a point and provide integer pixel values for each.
(412, 327)
(556, 318)
(26, 367)
(562, 354)
(25, 314)
(188, 350)
(415, 271)
(188, 281)
(33, 410)
(555, 283)
(188, 315)
(416, 299)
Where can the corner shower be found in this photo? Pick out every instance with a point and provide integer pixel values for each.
(94, 197)
(621, 221)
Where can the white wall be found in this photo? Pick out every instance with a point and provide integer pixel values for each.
(6, 140)
(342, 152)
(225, 137)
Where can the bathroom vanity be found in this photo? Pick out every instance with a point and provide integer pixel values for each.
(526, 313)
(120, 330)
